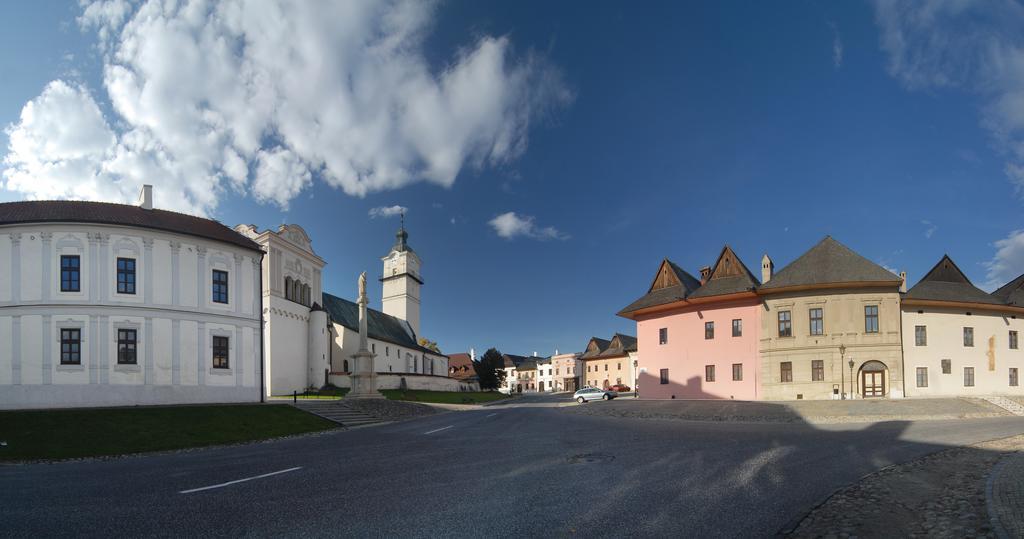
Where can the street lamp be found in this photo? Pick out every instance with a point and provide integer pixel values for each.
(842, 353)
(851, 378)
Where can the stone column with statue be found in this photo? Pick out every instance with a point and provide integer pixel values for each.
(364, 375)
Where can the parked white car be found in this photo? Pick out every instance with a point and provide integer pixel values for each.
(593, 393)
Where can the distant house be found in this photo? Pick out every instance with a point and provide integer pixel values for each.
(610, 362)
(567, 371)
(460, 367)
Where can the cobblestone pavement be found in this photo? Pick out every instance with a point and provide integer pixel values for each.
(940, 495)
(1006, 496)
(849, 411)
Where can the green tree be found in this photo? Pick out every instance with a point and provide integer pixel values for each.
(429, 344)
(490, 368)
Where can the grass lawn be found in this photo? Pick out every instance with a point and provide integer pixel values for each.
(60, 434)
(445, 397)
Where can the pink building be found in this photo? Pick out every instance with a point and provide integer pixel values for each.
(698, 339)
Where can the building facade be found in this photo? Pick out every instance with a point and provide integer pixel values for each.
(111, 304)
(959, 340)
(699, 338)
(610, 362)
(567, 372)
(830, 327)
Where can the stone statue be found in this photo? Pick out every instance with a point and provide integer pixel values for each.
(362, 285)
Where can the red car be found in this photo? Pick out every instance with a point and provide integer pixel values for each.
(621, 388)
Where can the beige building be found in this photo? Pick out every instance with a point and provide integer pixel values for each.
(567, 371)
(830, 327)
(959, 340)
(607, 363)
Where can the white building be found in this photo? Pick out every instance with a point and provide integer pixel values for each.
(111, 304)
(545, 375)
(311, 335)
(960, 341)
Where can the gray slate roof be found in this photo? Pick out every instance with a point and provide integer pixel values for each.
(945, 282)
(77, 211)
(380, 326)
(618, 345)
(732, 284)
(512, 360)
(1012, 293)
(688, 284)
(829, 262)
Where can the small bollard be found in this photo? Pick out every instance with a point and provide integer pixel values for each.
(295, 397)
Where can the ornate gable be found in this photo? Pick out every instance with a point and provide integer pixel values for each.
(665, 278)
(728, 265)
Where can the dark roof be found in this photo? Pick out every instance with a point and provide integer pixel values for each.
(829, 262)
(686, 285)
(460, 367)
(380, 326)
(528, 365)
(599, 345)
(729, 275)
(512, 360)
(76, 211)
(619, 345)
(1012, 293)
(945, 282)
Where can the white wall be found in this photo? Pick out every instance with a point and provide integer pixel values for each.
(412, 381)
(174, 347)
(991, 356)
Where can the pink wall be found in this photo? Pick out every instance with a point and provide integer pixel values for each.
(687, 352)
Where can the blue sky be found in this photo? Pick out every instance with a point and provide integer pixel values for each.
(618, 136)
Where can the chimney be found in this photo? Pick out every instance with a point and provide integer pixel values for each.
(705, 272)
(767, 268)
(146, 197)
(903, 282)
(472, 354)
(535, 354)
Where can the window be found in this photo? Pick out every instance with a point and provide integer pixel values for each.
(785, 324)
(817, 324)
(288, 288)
(1013, 340)
(737, 328)
(127, 341)
(968, 376)
(125, 275)
(817, 370)
(737, 372)
(947, 366)
(606, 367)
(220, 352)
(620, 366)
(920, 335)
(922, 377)
(588, 368)
(387, 351)
(786, 370)
(709, 330)
(871, 319)
(69, 275)
(709, 373)
(663, 336)
(71, 346)
(1014, 382)
(664, 376)
(968, 336)
(220, 286)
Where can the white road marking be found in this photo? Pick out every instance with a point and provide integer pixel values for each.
(439, 430)
(240, 480)
(492, 415)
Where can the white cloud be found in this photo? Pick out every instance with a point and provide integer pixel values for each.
(977, 46)
(261, 97)
(1008, 262)
(929, 228)
(387, 211)
(511, 225)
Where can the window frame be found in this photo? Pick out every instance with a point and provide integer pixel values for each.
(947, 366)
(920, 335)
(1014, 340)
(75, 270)
(663, 376)
(737, 327)
(820, 319)
(817, 370)
(969, 336)
(126, 273)
(709, 373)
(72, 339)
(709, 331)
(922, 376)
(737, 372)
(126, 345)
(969, 376)
(1014, 377)
(786, 372)
(785, 326)
(220, 290)
(221, 343)
(869, 317)
(662, 336)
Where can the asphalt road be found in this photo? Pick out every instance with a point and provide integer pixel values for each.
(499, 471)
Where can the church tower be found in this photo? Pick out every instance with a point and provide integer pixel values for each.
(402, 281)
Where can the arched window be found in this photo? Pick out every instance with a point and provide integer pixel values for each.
(306, 295)
(296, 286)
(287, 288)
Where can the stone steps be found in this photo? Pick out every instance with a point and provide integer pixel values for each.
(337, 411)
(1006, 404)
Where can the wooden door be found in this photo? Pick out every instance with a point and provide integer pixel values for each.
(873, 384)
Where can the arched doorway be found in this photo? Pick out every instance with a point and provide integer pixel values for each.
(874, 376)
